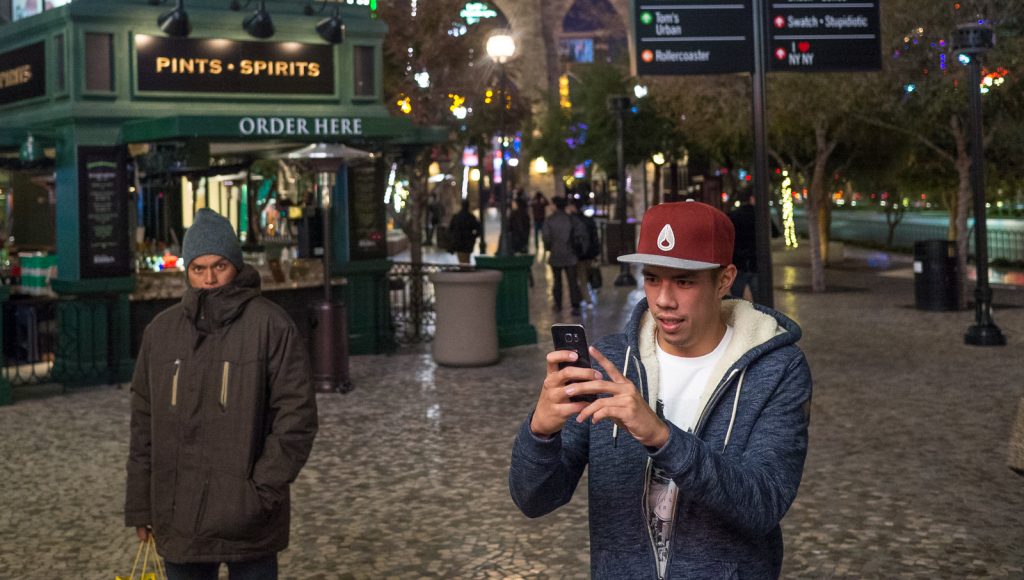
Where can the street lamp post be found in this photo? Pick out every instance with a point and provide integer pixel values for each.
(619, 105)
(501, 47)
(972, 41)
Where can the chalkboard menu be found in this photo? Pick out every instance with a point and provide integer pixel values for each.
(103, 213)
(367, 220)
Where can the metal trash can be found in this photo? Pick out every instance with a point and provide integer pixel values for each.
(936, 286)
(467, 326)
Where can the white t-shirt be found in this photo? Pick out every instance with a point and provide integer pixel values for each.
(683, 380)
(682, 383)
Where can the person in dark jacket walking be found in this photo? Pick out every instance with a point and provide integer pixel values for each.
(558, 233)
(464, 230)
(744, 219)
(696, 443)
(588, 249)
(519, 227)
(435, 211)
(538, 211)
(223, 416)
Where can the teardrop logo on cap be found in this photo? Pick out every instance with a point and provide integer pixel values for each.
(666, 239)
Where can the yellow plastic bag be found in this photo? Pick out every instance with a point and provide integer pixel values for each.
(152, 567)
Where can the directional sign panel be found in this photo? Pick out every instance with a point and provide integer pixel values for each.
(817, 36)
(688, 37)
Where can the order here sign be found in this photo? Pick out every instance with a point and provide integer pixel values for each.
(686, 37)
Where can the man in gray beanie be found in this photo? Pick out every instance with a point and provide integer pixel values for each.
(223, 418)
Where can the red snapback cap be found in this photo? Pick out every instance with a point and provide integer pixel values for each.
(687, 235)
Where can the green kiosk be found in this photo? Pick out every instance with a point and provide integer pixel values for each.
(107, 89)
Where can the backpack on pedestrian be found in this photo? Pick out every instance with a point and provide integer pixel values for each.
(580, 238)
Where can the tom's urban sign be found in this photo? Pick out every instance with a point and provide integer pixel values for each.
(216, 65)
(23, 73)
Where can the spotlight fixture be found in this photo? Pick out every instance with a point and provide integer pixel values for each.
(331, 29)
(258, 24)
(174, 22)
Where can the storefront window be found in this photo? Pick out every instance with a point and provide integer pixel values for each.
(58, 48)
(98, 62)
(25, 8)
(364, 81)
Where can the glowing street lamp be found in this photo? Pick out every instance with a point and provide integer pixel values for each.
(501, 47)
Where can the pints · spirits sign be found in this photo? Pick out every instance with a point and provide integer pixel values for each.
(23, 73)
(215, 65)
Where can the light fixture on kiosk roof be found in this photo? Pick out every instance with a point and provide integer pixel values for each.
(258, 24)
(332, 28)
(175, 21)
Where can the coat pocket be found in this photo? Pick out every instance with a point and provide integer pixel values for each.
(703, 569)
(231, 509)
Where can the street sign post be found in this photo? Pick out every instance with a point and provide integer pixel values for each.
(834, 36)
(687, 37)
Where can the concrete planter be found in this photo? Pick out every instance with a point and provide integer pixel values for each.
(467, 331)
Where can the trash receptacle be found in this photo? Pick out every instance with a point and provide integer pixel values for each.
(936, 286)
(467, 330)
(613, 246)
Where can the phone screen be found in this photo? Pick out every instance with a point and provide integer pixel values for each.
(573, 337)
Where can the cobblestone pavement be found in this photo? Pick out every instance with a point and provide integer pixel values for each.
(905, 478)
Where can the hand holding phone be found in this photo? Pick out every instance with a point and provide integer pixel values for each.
(573, 337)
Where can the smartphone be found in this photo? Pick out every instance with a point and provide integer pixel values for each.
(573, 337)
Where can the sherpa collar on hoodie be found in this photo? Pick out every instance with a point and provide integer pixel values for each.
(755, 330)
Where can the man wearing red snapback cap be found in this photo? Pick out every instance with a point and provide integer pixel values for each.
(713, 405)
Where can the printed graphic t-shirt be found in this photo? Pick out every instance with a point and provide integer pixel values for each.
(682, 383)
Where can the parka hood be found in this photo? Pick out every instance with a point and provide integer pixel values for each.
(210, 310)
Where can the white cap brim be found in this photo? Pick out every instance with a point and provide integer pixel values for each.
(667, 262)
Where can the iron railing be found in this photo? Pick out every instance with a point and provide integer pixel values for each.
(411, 293)
(1003, 244)
(51, 341)
(30, 340)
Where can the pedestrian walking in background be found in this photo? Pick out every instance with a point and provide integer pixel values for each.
(710, 398)
(519, 226)
(745, 249)
(539, 211)
(223, 416)
(744, 220)
(558, 232)
(588, 249)
(464, 230)
(435, 211)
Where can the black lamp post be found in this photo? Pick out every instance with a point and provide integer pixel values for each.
(501, 47)
(618, 105)
(483, 198)
(972, 41)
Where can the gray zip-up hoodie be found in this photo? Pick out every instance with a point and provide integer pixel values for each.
(737, 473)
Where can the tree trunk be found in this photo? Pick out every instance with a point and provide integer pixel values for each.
(958, 219)
(418, 196)
(817, 210)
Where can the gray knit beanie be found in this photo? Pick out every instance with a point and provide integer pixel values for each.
(211, 233)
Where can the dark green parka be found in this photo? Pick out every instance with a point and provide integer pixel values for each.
(223, 419)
